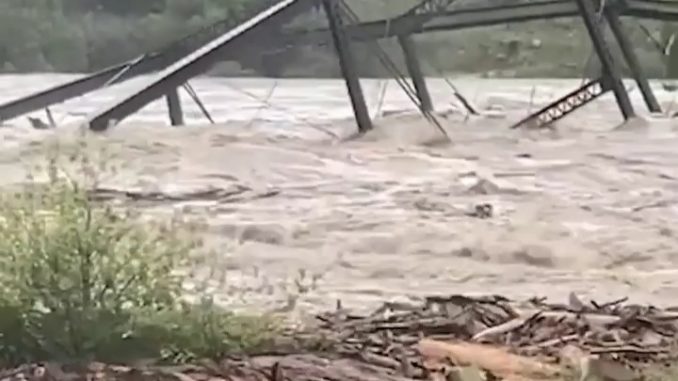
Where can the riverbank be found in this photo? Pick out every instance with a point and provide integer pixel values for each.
(453, 337)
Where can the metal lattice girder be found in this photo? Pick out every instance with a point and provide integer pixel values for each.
(434, 15)
(499, 14)
(428, 7)
(565, 105)
(445, 20)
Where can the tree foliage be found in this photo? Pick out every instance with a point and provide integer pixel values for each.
(87, 35)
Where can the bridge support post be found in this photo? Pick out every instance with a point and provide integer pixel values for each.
(611, 73)
(669, 35)
(612, 17)
(347, 65)
(174, 105)
(414, 68)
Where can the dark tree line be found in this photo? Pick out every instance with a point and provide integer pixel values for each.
(136, 8)
(120, 7)
(87, 35)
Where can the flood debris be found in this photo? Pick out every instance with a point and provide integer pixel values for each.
(452, 338)
(38, 124)
(482, 211)
(233, 193)
(529, 340)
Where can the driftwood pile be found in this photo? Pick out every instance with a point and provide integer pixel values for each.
(632, 333)
(444, 338)
(461, 330)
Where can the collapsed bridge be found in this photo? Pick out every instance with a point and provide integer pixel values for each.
(175, 64)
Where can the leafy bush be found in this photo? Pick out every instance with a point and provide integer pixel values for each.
(202, 331)
(79, 280)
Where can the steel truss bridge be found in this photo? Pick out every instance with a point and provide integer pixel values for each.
(178, 62)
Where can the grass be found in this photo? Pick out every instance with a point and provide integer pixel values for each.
(83, 281)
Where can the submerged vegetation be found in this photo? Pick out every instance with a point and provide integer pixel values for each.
(86, 35)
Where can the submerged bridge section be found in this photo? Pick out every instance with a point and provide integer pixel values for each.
(199, 61)
(144, 64)
(177, 63)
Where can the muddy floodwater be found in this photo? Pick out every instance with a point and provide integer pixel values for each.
(296, 214)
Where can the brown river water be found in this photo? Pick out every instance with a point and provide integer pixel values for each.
(588, 207)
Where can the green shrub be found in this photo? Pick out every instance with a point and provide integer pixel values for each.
(202, 331)
(79, 280)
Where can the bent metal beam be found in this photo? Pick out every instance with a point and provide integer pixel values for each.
(144, 64)
(194, 64)
(60, 93)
